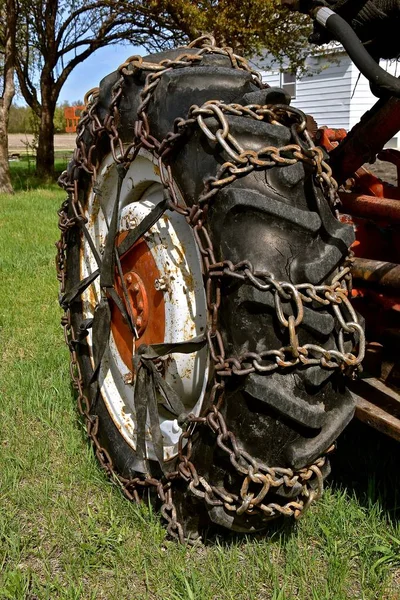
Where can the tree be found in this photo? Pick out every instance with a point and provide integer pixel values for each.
(60, 34)
(248, 26)
(22, 120)
(8, 24)
(59, 118)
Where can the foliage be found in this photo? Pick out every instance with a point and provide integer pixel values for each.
(59, 119)
(22, 119)
(249, 27)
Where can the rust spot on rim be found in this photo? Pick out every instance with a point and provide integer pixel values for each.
(146, 303)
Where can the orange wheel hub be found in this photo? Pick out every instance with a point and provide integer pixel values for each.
(146, 303)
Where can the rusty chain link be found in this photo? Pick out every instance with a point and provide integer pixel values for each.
(257, 480)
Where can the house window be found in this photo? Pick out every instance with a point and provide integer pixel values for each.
(288, 83)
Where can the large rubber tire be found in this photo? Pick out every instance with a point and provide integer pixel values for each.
(279, 220)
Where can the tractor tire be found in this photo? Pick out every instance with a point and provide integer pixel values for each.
(277, 218)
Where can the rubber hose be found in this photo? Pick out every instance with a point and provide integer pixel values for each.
(342, 32)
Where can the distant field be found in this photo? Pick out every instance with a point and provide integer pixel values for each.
(62, 141)
(65, 142)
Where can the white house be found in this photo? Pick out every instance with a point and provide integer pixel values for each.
(333, 92)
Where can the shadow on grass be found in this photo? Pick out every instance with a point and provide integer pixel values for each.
(282, 529)
(366, 463)
(23, 174)
(211, 534)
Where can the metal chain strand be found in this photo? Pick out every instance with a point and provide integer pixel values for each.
(258, 481)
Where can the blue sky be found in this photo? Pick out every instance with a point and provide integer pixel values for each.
(89, 73)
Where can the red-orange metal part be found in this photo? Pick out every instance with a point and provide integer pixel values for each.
(376, 223)
(376, 300)
(373, 208)
(146, 302)
(361, 205)
(366, 139)
(367, 183)
(329, 138)
(381, 273)
(72, 115)
(362, 180)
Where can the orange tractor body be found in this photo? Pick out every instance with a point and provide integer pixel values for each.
(372, 206)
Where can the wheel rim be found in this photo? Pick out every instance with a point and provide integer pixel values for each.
(163, 276)
(145, 296)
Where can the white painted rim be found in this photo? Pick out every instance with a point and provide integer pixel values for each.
(173, 247)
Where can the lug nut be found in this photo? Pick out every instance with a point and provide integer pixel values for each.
(129, 279)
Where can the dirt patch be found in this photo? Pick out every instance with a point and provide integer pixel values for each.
(66, 142)
(62, 141)
(384, 170)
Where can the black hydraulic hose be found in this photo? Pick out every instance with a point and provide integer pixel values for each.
(380, 80)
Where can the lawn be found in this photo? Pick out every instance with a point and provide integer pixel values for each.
(23, 170)
(66, 532)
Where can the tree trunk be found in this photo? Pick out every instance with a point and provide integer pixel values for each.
(45, 150)
(8, 91)
(5, 179)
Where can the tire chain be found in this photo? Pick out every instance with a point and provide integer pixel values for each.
(242, 161)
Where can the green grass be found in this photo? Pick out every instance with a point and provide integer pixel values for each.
(23, 171)
(66, 532)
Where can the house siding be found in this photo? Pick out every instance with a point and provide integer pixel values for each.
(273, 78)
(334, 92)
(325, 94)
